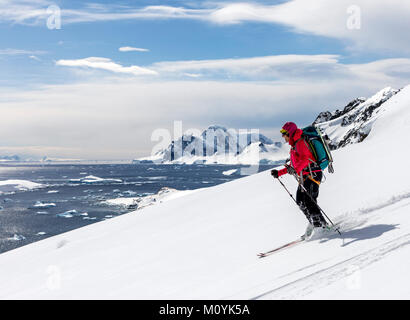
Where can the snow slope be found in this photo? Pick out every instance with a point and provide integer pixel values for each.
(204, 245)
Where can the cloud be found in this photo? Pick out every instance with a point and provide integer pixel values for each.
(267, 67)
(287, 68)
(114, 118)
(105, 64)
(35, 58)
(14, 52)
(192, 75)
(128, 49)
(380, 27)
(364, 24)
(24, 11)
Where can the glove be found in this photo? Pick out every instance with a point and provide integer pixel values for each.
(291, 170)
(275, 173)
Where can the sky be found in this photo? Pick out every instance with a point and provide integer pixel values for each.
(95, 80)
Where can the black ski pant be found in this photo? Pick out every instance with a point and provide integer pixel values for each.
(308, 204)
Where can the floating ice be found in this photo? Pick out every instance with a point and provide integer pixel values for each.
(42, 212)
(17, 237)
(21, 185)
(94, 179)
(71, 213)
(129, 193)
(229, 172)
(67, 214)
(42, 205)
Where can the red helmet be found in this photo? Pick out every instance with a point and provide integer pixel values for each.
(289, 127)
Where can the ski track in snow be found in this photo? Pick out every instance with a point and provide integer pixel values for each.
(327, 276)
(349, 222)
(352, 220)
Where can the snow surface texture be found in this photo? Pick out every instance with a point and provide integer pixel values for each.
(204, 245)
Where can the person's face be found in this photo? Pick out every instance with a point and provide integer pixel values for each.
(286, 137)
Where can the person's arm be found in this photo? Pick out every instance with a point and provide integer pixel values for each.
(277, 173)
(283, 171)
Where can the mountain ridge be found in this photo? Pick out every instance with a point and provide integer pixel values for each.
(350, 125)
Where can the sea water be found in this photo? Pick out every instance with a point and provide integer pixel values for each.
(74, 195)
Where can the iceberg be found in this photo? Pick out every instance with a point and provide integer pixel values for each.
(42, 205)
(72, 213)
(17, 237)
(94, 179)
(18, 185)
(229, 172)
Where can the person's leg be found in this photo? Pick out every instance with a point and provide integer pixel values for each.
(311, 202)
(300, 200)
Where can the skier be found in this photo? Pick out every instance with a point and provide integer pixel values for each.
(309, 174)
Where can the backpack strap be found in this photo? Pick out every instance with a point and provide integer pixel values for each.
(312, 152)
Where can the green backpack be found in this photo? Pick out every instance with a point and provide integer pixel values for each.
(319, 147)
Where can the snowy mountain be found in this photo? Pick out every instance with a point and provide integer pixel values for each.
(203, 245)
(354, 122)
(217, 144)
(31, 158)
(7, 158)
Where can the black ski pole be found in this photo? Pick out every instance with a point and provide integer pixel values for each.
(287, 191)
(321, 210)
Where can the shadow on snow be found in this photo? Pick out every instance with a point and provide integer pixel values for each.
(366, 233)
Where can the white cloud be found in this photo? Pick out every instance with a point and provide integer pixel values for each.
(14, 52)
(24, 11)
(382, 26)
(268, 67)
(114, 118)
(192, 75)
(287, 68)
(105, 64)
(130, 49)
(35, 58)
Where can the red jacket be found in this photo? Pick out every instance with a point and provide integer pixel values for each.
(300, 155)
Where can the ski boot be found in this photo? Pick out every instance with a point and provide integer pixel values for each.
(308, 233)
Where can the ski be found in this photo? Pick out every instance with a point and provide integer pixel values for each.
(287, 245)
(307, 236)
